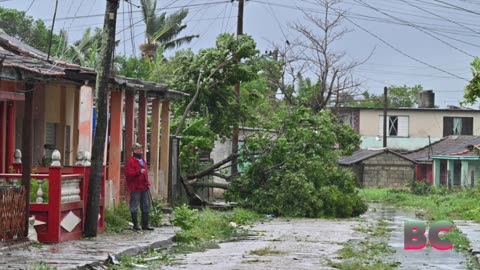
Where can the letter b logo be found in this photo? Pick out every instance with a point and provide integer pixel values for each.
(415, 239)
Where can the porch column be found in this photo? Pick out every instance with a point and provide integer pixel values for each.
(115, 150)
(436, 172)
(142, 121)
(85, 119)
(451, 173)
(2, 135)
(155, 146)
(465, 175)
(11, 109)
(165, 148)
(129, 114)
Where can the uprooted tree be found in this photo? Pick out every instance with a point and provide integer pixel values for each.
(293, 171)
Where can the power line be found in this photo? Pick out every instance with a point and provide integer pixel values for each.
(174, 7)
(416, 27)
(403, 53)
(442, 17)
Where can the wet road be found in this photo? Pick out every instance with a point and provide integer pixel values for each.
(428, 258)
(312, 243)
(301, 244)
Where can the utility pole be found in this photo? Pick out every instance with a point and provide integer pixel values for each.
(235, 132)
(101, 90)
(385, 106)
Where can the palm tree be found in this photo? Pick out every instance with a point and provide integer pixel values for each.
(84, 51)
(162, 30)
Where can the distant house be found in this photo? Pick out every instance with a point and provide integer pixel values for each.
(380, 168)
(410, 128)
(448, 161)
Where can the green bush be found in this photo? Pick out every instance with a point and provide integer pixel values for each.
(34, 190)
(420, 187)
(208, 225)
(184, 217)
(297, 174)
(117, 219)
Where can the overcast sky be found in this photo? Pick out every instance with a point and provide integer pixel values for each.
(427, 42)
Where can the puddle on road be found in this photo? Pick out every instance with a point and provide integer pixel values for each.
(428, 258)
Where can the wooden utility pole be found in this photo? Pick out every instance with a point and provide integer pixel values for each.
(241, 4)
(385, 106)
(101, 91)
(27, 148)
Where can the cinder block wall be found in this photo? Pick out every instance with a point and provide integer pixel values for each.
(387, 170)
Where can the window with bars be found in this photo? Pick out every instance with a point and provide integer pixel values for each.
(397, 126)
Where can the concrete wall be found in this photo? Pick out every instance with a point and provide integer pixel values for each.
(387, 170)
(421, 123)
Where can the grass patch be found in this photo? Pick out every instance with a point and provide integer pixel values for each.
(116, 219)
(266, 251)
(370, 254)
(210, 225)
(152, 259)
(378, 230)
(42, 266)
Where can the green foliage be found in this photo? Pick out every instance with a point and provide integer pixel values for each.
(472, 90)
(220, 68)
(420, 187)
(34, 189)
(156, 218)
(243, 216)
(398, 96)
(197, 137)
(144, 260)
(296, 174)
(161, 29)
(435, 206)
(117, 219)
(207, 226)
(23, 27)
(184, 217)
(134, 67)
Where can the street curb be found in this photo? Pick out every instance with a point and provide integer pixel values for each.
(131, 252)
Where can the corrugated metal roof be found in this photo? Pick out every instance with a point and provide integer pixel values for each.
(451, 145)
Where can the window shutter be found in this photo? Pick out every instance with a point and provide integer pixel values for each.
(447, 126)
(380, 125)
(467, 126)
(402, 126)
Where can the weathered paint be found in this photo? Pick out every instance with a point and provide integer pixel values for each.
(142, 122)
(155, 146)
(2, 135)
(406, 144)
(129, 123)
(85, 116)
(165, 148)
(115, 151)
(10, 138)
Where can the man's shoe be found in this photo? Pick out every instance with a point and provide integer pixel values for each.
(135, 221)
(145, 226)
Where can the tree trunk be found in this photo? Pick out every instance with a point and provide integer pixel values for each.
(98, 149)
(212, 185)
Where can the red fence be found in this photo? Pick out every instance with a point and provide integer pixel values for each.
(62, 217)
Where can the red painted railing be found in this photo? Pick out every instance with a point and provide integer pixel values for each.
(62, 217)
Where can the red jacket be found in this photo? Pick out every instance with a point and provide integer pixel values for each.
(136, 181)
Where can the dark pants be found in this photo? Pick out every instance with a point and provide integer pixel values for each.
(141, 197)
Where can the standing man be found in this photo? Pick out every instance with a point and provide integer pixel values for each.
(136, 174)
